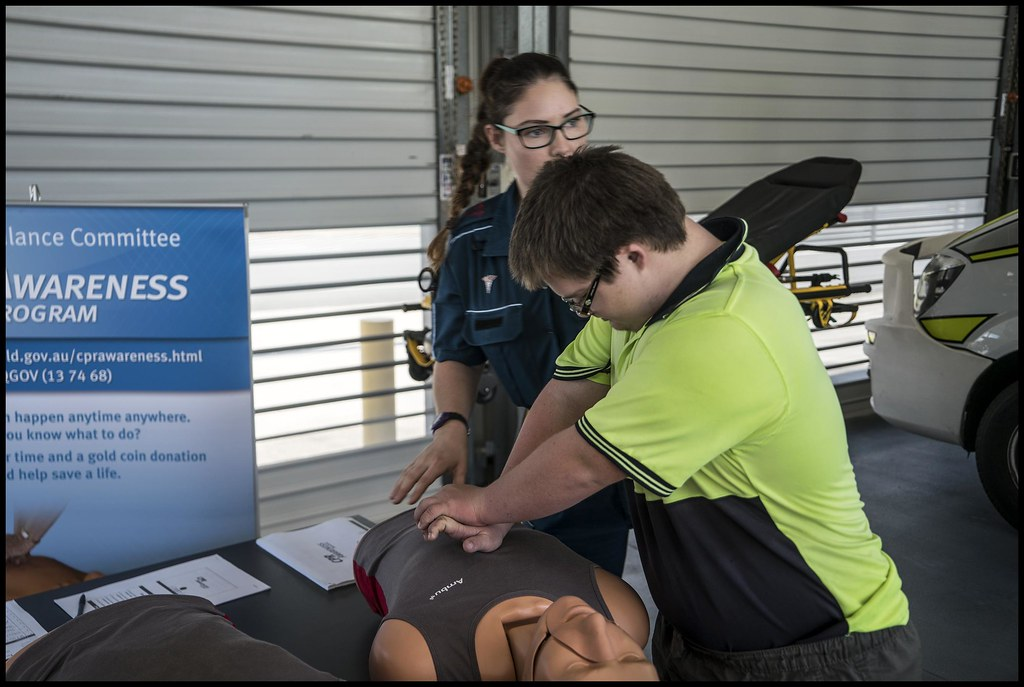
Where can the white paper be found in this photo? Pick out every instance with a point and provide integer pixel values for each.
(22, 629)
(211, 578)
(323, 552)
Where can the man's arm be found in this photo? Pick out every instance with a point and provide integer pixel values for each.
(560, 473)
(550, 468)
(558, 407)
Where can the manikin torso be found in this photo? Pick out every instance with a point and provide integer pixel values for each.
(506, 638)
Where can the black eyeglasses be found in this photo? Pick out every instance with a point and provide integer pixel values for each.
(543, 135)
(583, 309)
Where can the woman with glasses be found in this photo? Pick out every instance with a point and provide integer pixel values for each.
(529, 112)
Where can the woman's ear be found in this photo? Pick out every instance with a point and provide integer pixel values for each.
(495, 137)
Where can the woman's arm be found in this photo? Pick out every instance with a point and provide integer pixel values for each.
(455, 388)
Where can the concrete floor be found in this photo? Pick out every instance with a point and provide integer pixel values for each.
(957, 557)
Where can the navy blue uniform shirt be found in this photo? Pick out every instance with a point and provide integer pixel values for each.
(482, 314)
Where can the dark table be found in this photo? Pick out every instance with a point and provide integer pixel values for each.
(330, 630)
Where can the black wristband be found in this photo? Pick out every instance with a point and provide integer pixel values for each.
(447, 416)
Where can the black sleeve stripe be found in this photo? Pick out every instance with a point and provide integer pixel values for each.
(570, 373)
(637, 471)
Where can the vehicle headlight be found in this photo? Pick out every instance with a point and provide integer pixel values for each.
(938, 276)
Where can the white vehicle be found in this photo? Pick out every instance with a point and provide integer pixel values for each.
(943, 358)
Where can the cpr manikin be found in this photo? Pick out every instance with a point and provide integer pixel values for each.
(27, 574)
(534, 610)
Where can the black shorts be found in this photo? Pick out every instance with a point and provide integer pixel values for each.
(890, 654)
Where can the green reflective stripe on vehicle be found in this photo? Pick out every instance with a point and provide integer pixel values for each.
(986, 225)
(952, 329)
(993, 254)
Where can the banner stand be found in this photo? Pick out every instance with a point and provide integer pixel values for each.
(129, 402)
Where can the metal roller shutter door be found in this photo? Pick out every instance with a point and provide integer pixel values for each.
(323, 120)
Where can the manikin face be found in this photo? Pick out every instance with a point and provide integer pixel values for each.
(578, 643)
(546, 102)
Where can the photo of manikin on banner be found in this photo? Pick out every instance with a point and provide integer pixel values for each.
(129, 407)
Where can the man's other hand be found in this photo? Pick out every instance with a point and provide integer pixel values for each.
(474, 538)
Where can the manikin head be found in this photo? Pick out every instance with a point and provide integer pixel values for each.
(27, 574)
(572, 641)
(35, 574)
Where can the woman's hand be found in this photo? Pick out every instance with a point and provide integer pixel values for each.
(448, 452)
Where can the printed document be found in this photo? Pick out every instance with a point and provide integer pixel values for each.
(211, 578)
(323, 552)
(22, 629)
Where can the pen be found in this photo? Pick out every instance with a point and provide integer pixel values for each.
(81, 605)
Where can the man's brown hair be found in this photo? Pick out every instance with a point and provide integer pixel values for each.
(583, 208)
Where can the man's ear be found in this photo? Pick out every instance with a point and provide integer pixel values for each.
(635, 253)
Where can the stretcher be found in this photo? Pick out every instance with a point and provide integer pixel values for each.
(781, 210)
(789, 206)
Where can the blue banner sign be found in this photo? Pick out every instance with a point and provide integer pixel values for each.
(129, 433)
